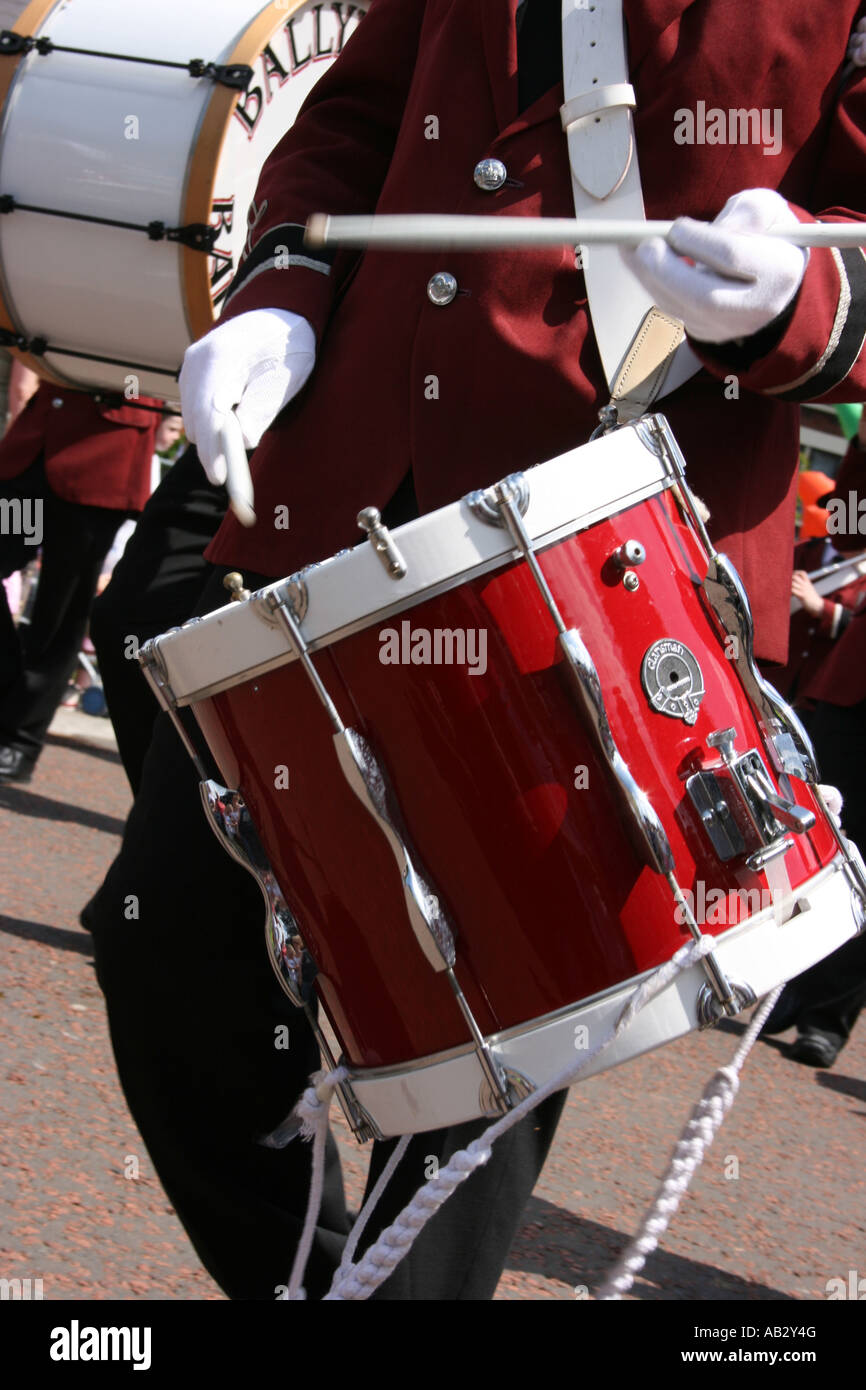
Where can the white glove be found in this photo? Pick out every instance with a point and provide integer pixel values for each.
(857, 44)
(742, 280)
(255, 363)
(833, 801)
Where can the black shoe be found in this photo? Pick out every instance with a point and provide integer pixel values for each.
(16, 765)
(816, 1049)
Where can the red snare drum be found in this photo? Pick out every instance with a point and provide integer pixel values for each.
(531, 720)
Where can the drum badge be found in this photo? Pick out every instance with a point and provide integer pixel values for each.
(672, 679)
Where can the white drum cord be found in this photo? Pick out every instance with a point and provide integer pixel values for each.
(700, 1131)
(358, 1280)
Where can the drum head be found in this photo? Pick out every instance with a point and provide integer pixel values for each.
(94, 140)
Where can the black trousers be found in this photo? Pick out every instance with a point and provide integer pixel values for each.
(195, 1010)
(37, 659)
(156, 584)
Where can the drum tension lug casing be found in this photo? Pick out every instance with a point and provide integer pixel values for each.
(711, 1010)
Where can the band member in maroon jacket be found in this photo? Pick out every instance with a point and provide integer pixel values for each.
(451, 106)
(845, 505)
(825, 1002)
(72, 468)
(821, 618)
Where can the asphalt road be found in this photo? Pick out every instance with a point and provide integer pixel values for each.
(776, 1212)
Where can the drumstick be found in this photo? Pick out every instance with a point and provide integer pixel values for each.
(239, 484)
(444, 232)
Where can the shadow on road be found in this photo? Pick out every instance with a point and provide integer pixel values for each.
(77, 745)
(845, 1085)
(560, 1245)
(60, 937)
(25, 803)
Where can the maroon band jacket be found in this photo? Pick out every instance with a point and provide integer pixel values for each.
(507, 374)
(95, 454)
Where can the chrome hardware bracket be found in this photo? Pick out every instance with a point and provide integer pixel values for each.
(651, 840)
(629, 555)
(232, 824)
(367, 780)
(756, 861)
(519, 1087)
(380, 538)
(724, 590)
(294, 592)
(710, 1010)
(229, 819)
(709, 800)
(483, 503)
(743, 803)
(153, 667)
(608, 421)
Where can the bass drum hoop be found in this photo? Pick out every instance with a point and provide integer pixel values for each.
(206, 156)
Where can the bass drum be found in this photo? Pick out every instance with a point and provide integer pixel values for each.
(131, 143)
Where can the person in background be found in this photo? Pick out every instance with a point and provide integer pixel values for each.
(168, 434)
(825, 1002)
(73, 467)
(819, 619)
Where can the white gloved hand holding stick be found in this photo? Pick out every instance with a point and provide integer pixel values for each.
(249, 367)
(741, 278)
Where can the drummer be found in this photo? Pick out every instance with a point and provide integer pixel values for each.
(381, 378)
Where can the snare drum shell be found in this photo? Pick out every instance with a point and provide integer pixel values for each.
(501, 791)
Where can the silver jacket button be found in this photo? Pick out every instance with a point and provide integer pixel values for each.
(490, 174)
(57, 402)
(442, 288)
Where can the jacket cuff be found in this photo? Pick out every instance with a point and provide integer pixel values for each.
(828, 623)
(810, 349)
(283, 273)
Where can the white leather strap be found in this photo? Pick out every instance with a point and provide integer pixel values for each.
(599, 99)
(598, 123)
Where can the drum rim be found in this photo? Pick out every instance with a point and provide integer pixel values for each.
(176, 677)
(205, 156)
